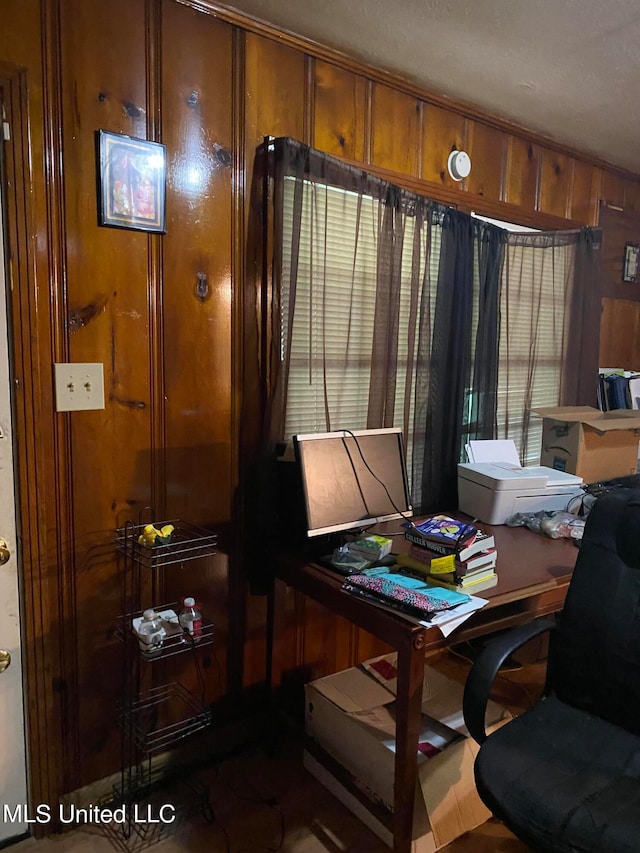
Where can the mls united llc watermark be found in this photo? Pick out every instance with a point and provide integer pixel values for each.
(70, 813)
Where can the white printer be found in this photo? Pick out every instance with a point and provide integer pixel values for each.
(491, 491)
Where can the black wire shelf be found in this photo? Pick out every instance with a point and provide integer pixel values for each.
(188, 542)
(162, 716)
(155, 806)
(176, 642)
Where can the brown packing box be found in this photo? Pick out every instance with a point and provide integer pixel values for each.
(594, 445)
(350, 715)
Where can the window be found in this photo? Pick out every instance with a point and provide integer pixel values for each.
(334, 318)
(385, 308)
(533, 308)
(533, 340)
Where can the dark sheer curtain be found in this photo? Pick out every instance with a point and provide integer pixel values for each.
(444, 369)
(550, 331)
(489, 247)
(450, 372)
(463, 377)
(581, 362)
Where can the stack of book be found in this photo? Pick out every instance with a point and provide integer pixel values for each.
(451, 554)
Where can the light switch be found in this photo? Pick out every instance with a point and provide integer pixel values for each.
(79, 387)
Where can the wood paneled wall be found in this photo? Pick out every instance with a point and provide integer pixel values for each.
(620, 325)
(163, 314)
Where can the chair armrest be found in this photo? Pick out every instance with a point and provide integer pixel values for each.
(485, 668)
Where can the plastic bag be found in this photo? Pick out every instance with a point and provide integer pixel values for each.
(556, 525)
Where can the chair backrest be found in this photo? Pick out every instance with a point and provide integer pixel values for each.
(594, 654)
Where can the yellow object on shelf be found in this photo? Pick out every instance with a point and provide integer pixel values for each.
(151, 536)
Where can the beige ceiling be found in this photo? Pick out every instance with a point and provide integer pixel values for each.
(569, 69)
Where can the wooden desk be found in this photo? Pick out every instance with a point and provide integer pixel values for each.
(533, 576)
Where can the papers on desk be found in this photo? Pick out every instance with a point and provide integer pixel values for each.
(448, 620)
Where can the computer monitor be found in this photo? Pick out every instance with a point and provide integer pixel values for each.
(352, 479)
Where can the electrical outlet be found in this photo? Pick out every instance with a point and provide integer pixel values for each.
(79, 387)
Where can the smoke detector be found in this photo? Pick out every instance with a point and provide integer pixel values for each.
(459, 165)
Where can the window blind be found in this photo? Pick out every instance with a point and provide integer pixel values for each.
(533, 341)
(334, 312)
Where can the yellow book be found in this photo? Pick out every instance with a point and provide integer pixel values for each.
(475, 586)
(443, 565)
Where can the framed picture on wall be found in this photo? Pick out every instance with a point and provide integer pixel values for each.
(630, 264)
(131, 182)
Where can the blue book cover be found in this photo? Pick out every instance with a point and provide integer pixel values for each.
(444, 530)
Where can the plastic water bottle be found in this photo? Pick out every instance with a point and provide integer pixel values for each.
(150, 632)
(190, 618)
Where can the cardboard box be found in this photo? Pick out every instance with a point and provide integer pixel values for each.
(351, 716)
(594, 445)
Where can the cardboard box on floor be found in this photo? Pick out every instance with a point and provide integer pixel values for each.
(594, 445)
(351, 716)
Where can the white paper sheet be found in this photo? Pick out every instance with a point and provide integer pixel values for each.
(500, 450)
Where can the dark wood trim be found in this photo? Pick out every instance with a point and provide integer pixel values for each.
(420, 149)
(343, 60)
(368, 121)
(56, 283)
(41, 559)
(238, 591)
(309, 98)
(155, 274)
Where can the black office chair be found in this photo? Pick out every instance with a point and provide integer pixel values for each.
(565, 775)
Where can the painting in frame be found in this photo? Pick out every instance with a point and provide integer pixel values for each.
(131, 182)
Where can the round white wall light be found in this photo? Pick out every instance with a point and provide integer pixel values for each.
(459, 165)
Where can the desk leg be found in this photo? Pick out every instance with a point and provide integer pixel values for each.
(408, 712)
(276, 604)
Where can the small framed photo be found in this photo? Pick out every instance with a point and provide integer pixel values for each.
(131, 182)
(631, 259)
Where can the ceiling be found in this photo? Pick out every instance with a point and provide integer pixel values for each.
(567, 69)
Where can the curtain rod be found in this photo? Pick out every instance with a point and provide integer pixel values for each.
(269, 143)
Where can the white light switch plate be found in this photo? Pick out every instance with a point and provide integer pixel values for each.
(79, 387)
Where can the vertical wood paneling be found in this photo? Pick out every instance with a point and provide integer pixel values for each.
(325, 649)
(368, 646)
(521, 178)
(584, 193)
(620, 323)
(339, 111)
(395, 130)
(196, 112)
(620, 334)
(197, 298)
(613, 189)
(632, 196)
(107, 321)
(275, 87)
(619, 227)
(129, 300)
(555, 183)
(487, 148)
(442, 132)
